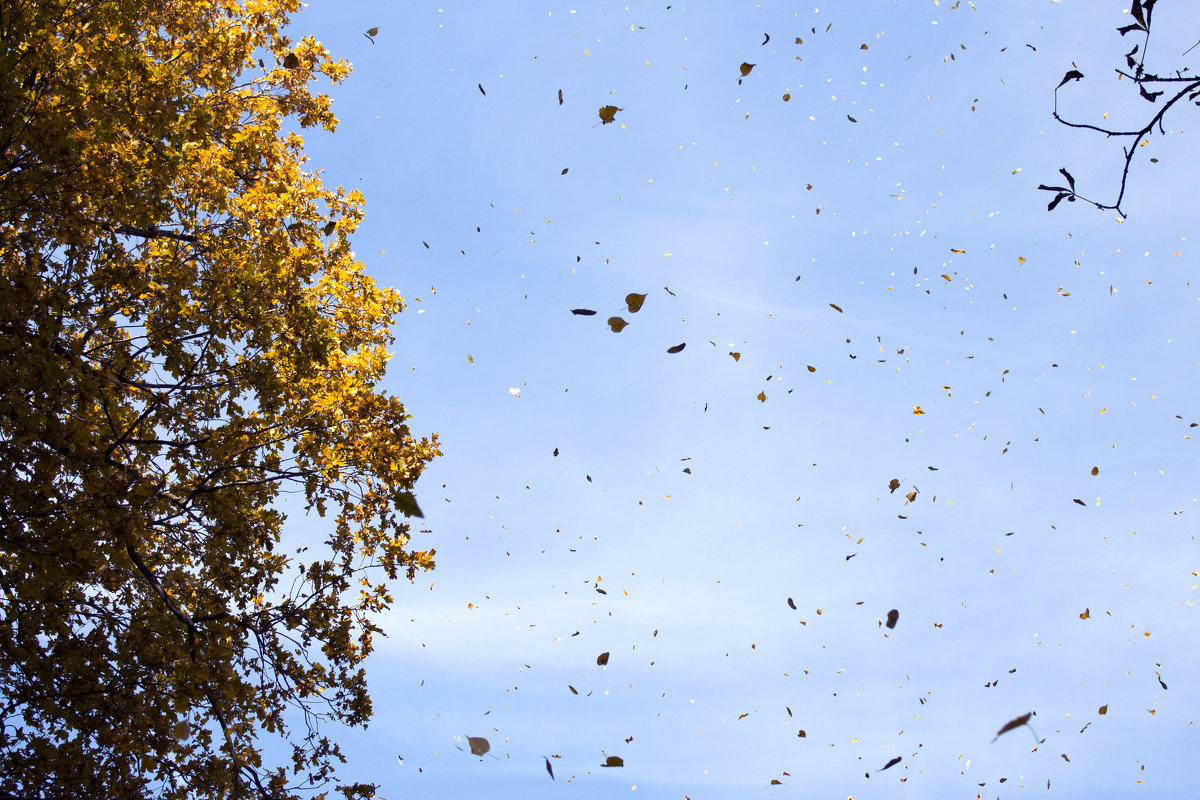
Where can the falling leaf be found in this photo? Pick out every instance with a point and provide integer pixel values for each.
(791, 603)
(1080, 502)
(786, 97)
(811, 368)
(602, 659)
(613, 761)
(735, 356)
(668, 291)
(481, 91)
(371, 34)
(583, 312)
(1013, 724)
(564, 172)
(918, 411)
(573, 689)
(1095, 470)
(745, 68)
(852, 119)
(479, 745)
(617, 324)
(893, 762)
(549, 768)
(677, 348)
(1087, 612)
(893, 485)
(1160, 683)
(801, 735)
(1064, 757)
(426, 244)
(776, 782)
(1103, 710)
(560, 97)
(892, 617)
(634, 301)
(766, 38)
(836, 307)
(762, 397)
(608, 113)
(407, 504)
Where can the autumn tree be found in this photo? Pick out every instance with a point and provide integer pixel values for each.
(1180, 86)
(185, 334)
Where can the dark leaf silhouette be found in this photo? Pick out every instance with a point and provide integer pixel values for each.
(892, 617)
(1160, 683)
(792, 603)
(481, 91)
(634, 301)
(1151, 96)
(613, 761)
(1072, 75)
(602, 659)
(677, 348)
(891, 763)
(766, 38)
(583, 312)
(564, 172)
(1067, 175)
(408, 504)
(560, 97)
(573, 689)
(1013, 724)
(1131, 27)
(479, 745)
(549, 768)
(371, 34)
(1080, 502)
(746, 68)
(836, 307)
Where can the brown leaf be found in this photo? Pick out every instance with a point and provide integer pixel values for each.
(602, 659)
(892, 617)
(479, 745)
(1013, 724)
(608, 114)
(634, 301)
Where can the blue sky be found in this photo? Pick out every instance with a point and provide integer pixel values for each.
(1038, 345)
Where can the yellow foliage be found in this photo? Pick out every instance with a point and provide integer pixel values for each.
(184, 333)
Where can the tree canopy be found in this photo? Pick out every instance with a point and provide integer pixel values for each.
(185, 335)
